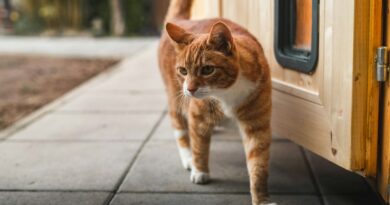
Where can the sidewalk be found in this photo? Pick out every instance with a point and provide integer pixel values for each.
(109, 142)
(73, 46)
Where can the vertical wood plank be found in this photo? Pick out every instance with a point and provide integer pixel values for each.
(360, 81)
(206, 9)
(236, 11)
(375, 40)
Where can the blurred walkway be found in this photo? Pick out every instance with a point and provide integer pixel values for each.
(109, 142)
(72, 46)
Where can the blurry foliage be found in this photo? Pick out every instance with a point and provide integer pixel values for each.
(27, 24)
(59, 16)
(137, 15)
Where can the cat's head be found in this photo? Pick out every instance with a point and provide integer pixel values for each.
(206, 64)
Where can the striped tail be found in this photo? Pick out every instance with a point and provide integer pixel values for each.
(179, 9)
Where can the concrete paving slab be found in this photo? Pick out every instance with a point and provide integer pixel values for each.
(117, 102)
(138, 73)
(89, 126)
(214, 199)
(288, 173)
(53, 198)
(227, 166)
(64, 165)
(134, 83)
(347, 199)
(335, 180)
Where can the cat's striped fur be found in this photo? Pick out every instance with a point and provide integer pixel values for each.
(213, 69)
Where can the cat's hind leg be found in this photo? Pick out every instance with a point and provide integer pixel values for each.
(257, 139)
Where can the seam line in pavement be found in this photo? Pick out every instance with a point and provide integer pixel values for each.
(70, 140)
(113, 112)
(54, 190)
(128, 168)
(312, 176)
(158, 192)
(211, 193)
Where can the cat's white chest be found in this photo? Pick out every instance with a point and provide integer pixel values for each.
(234, 96)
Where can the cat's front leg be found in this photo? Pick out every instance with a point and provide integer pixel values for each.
(180, 127)
(200, 134)
(257, 139)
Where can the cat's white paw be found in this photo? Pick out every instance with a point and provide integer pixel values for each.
(185, 152)
(187, 163)
(198, 177)
(185, 157)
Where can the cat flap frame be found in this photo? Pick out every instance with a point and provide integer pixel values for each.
(286, 53)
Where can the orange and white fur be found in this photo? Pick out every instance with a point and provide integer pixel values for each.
(213, 69)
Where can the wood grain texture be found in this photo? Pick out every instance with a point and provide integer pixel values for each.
(258, 17)
(375, 40)
(360, 82)
(206, 9)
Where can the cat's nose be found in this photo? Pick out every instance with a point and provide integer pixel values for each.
(192, 90)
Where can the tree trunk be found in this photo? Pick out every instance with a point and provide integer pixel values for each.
(117, 21)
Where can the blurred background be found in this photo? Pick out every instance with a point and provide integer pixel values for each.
(82, 17)
(49, 47)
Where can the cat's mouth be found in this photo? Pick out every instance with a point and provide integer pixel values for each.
(199, 94)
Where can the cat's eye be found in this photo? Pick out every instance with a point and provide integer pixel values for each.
(182, 70)
(207, 70)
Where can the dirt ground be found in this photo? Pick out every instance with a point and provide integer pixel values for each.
(28, 83)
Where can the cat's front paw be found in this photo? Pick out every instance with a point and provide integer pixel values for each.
(185, 157)
(198, 177)
(187, 163)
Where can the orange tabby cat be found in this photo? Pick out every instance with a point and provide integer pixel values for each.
(214, 69)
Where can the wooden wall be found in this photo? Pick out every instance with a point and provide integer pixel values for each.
(325, 111)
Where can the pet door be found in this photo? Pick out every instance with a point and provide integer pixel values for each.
(296, 34)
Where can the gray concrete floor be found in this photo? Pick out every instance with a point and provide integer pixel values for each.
(109, 142)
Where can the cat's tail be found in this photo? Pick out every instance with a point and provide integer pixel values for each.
(179, 9)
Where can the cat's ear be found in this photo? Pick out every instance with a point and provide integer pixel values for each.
(178, 34)
(220, 38)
